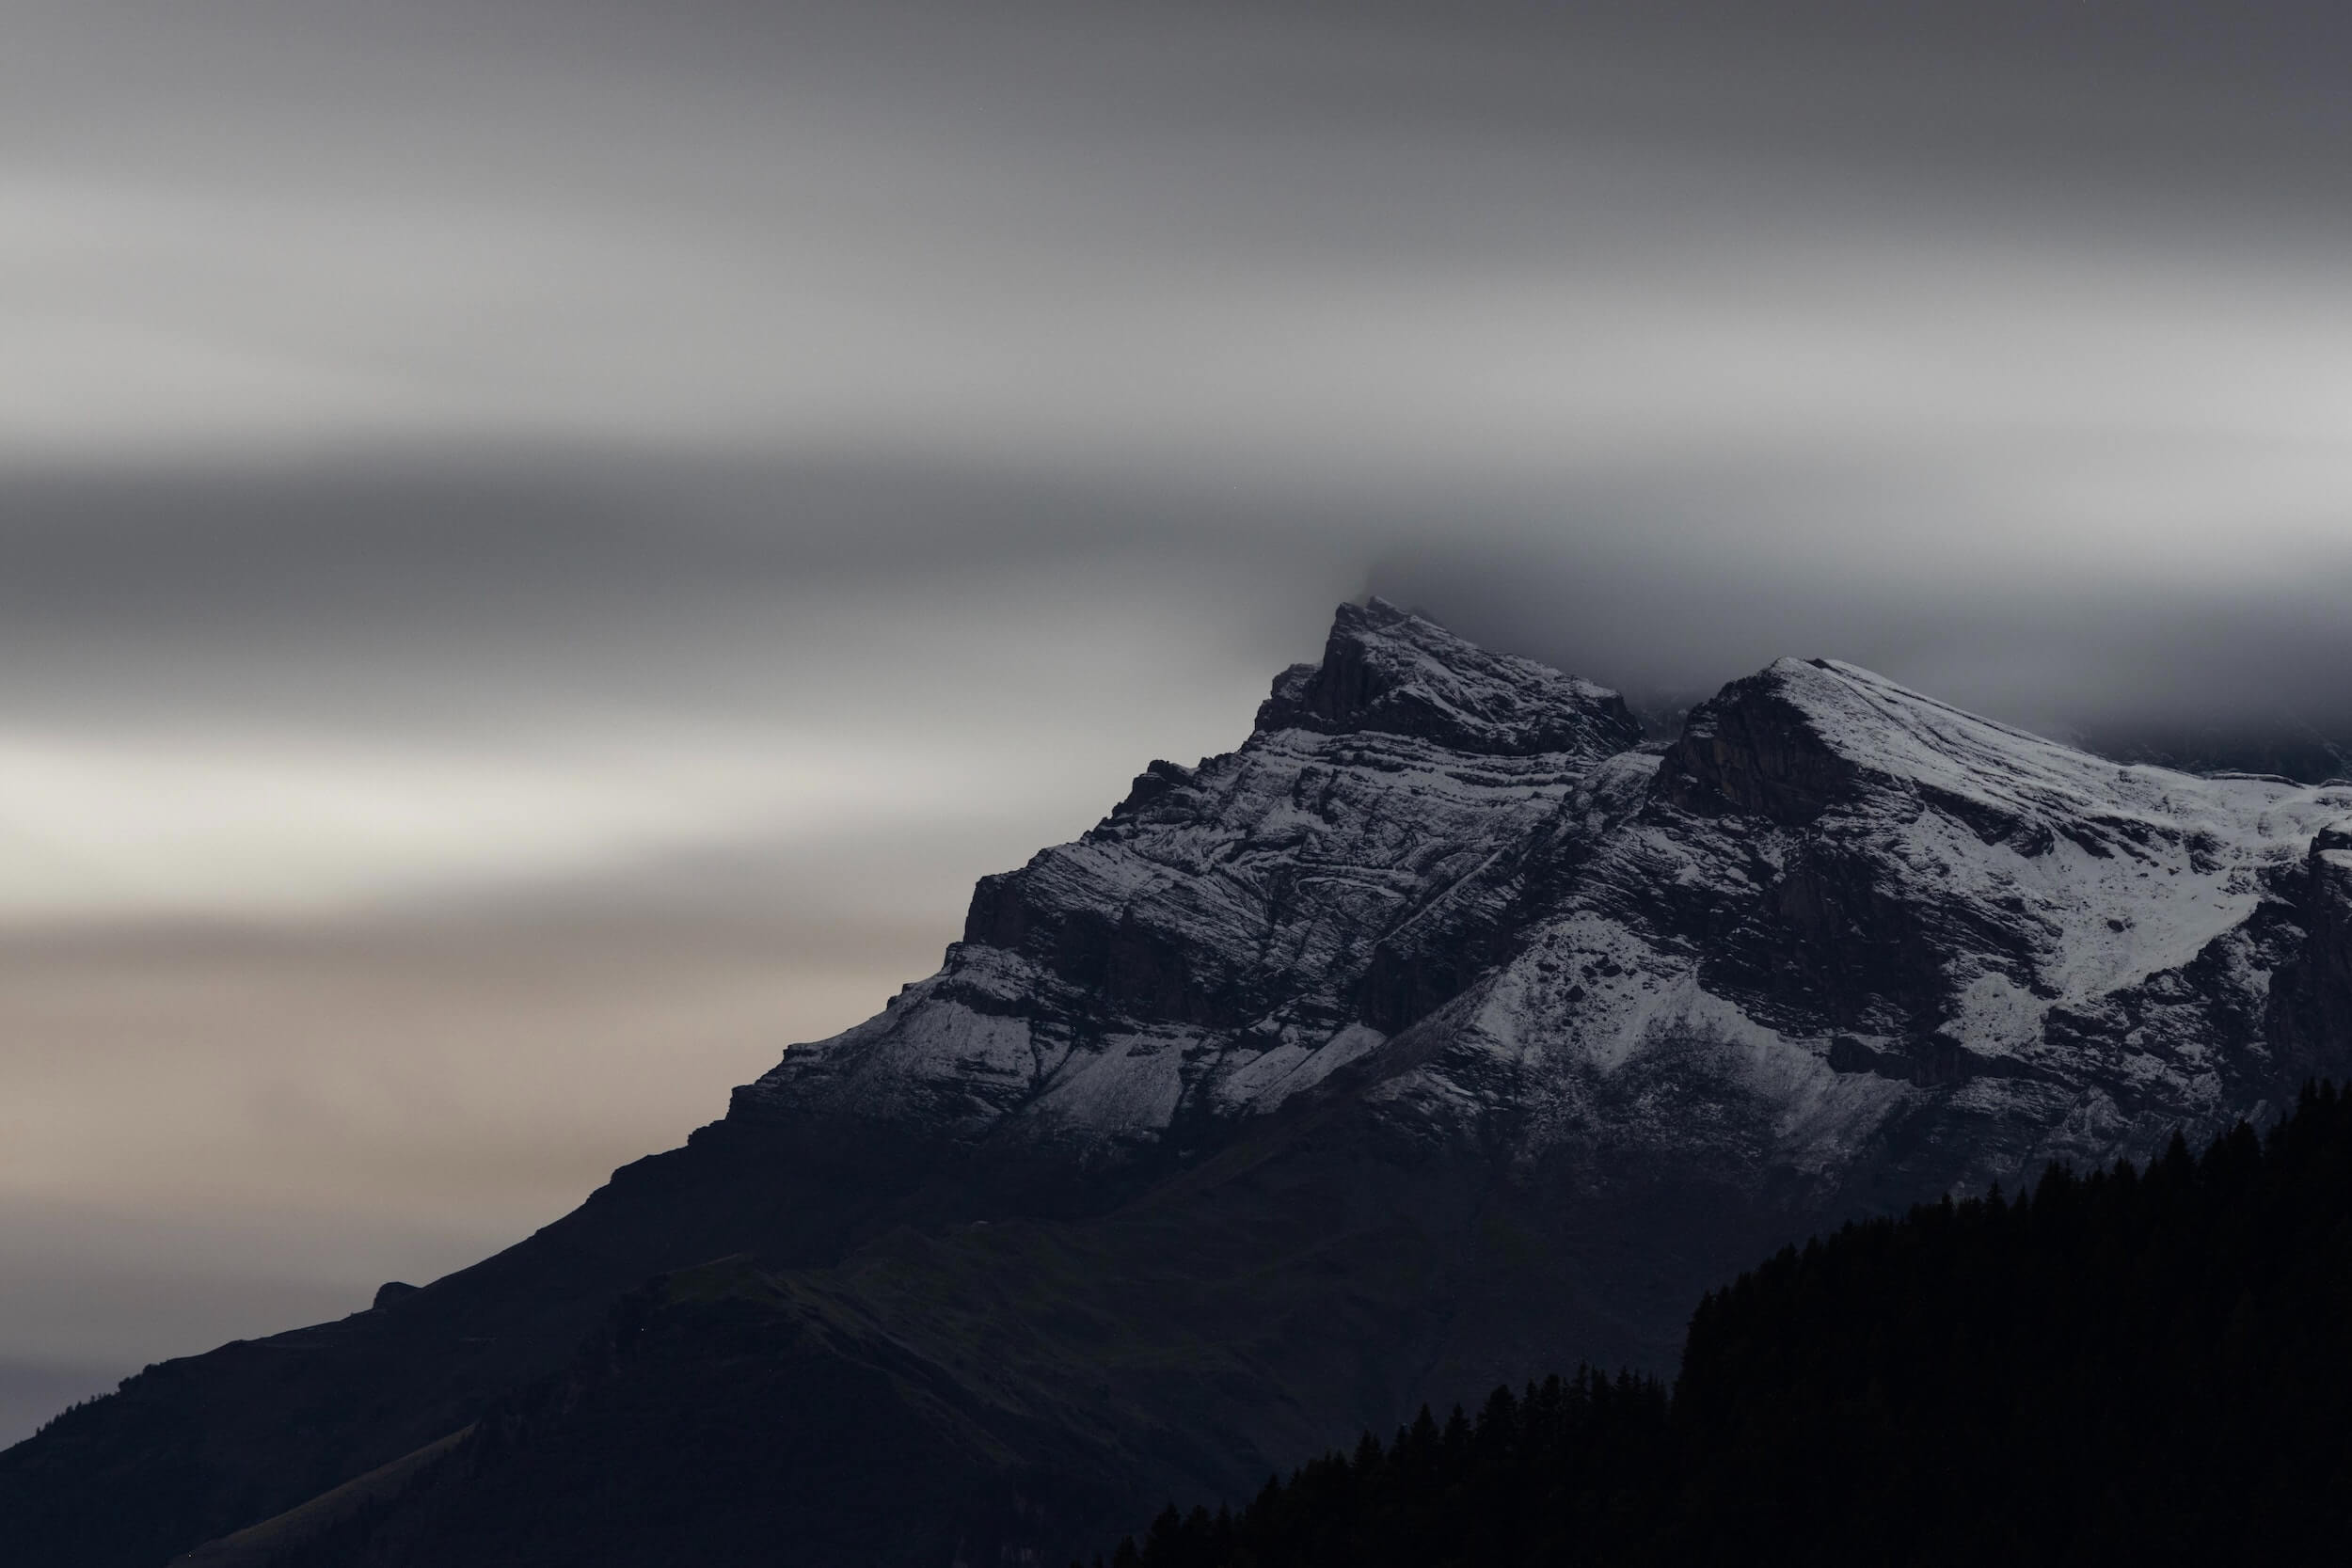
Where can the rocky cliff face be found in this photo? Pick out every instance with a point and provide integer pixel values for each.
(1441, 1034)
(2309, 1017)
(1234, 933)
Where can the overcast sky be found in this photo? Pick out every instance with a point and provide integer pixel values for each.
(543, 545)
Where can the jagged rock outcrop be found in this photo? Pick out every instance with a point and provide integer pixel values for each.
(1440, 1034)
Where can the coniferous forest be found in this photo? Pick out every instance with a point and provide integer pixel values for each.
(2145, 1366)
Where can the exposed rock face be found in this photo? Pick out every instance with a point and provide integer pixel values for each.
(1439, 1034)
(2310, 1017)
(1753, 750)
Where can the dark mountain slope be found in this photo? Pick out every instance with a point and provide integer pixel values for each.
(1431, 1038)
(2142, 1367)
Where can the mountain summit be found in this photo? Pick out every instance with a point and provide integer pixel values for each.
(1388, 670)
(1437, 1037)
(1236, 932)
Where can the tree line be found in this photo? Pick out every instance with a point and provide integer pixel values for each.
(2145, 1365)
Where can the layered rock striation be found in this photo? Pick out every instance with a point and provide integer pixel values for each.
(1234, 932)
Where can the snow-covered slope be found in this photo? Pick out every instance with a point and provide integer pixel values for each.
(1840, 936)
(1853, 941)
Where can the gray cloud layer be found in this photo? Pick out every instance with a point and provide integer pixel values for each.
(534, 340)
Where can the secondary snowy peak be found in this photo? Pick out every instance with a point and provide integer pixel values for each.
(1805, 735)
(2026, 872)
(1852, 933)
(1388, 670)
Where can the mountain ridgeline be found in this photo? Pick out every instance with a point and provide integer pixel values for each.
(1441, 1036)
(2141, 1366)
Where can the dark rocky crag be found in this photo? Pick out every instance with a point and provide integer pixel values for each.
(1440, 1035)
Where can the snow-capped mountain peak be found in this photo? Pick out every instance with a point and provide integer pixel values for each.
(1867, 919)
